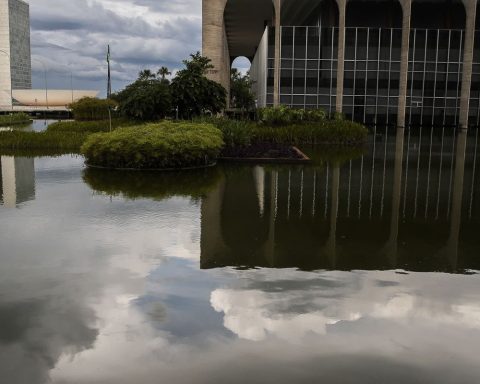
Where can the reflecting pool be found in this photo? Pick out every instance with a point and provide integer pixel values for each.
(36, 125)
(361, 267)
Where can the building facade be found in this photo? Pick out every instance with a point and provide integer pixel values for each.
(15, 57)
(398, 63)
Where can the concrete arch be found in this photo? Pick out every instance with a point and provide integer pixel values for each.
(441, 15)
(361, 13)
(244, 28)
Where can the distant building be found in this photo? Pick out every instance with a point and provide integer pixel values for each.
(381, 62)
(15, 57)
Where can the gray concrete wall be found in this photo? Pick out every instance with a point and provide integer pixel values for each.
(19, 13)
(5, 75)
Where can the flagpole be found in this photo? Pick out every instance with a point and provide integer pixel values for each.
(109, 86)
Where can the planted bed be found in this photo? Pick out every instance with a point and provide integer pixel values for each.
(165, 145)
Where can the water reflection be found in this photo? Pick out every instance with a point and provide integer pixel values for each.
(105, 284)
(18, 180)
(35, 125)
(397, 207)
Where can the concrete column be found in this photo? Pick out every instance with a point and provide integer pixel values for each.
(214, 40)
(469, 39)
(342, 8)
(402, 96)
(278, 42)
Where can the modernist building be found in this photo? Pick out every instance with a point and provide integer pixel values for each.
(386, 62)
(15, 64)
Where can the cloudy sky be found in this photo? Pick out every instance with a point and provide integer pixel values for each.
(70, 37)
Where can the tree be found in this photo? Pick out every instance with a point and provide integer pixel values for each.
(241, 90)
(90, 108)
(193, 93)
(163, 73)
(146, 74)
(148, 98)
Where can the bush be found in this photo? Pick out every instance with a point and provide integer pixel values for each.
(88, 126)
(90, 108)
(155, 146)
(244, 133)
(284, 115)
(14, 118)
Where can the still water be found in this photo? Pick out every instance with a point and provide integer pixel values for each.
(348, 270)
(36, 125)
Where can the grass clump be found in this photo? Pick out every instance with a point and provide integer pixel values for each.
(59, 142)
(336, 132)
(14, 118)
(163, 145)
(88, 126)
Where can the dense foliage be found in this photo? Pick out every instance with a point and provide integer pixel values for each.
(58, 142)
(193, 94)
(14, 118)
(88, 126)
(245, 133)
(90, 109)
(284, 115)
(241, 91)
(147, 99)
(155, 146)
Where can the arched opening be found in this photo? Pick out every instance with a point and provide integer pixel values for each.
(310, 13)
(242, 92)
(436, 48)
(374, 14)
(245, 23)
(430, 14)
(242, 64)
(373, 39)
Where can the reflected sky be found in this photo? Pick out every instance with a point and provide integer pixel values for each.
(106, 281)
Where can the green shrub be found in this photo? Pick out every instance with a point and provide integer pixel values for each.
(284, 115)
(88, 126)
(90, 108)
(14, 118)
(155, 146)
(244, 133)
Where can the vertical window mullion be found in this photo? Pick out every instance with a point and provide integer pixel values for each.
(446, 77)
(306, 69)
(366, 78)
(412, 75)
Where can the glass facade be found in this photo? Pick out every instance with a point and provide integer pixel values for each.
(308, 72)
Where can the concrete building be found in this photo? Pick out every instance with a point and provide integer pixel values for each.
(381, 62)
(15, 59)
(17, 176)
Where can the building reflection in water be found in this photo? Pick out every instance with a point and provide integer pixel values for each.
(410, 204)
(18, 180)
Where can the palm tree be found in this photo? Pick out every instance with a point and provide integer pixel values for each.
(146, 74)
(163, 72)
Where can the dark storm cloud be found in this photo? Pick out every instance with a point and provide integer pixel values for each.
(71, 38)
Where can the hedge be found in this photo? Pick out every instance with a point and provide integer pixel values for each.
(155, 146)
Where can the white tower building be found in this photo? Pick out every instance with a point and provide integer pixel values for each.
(15, 58)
